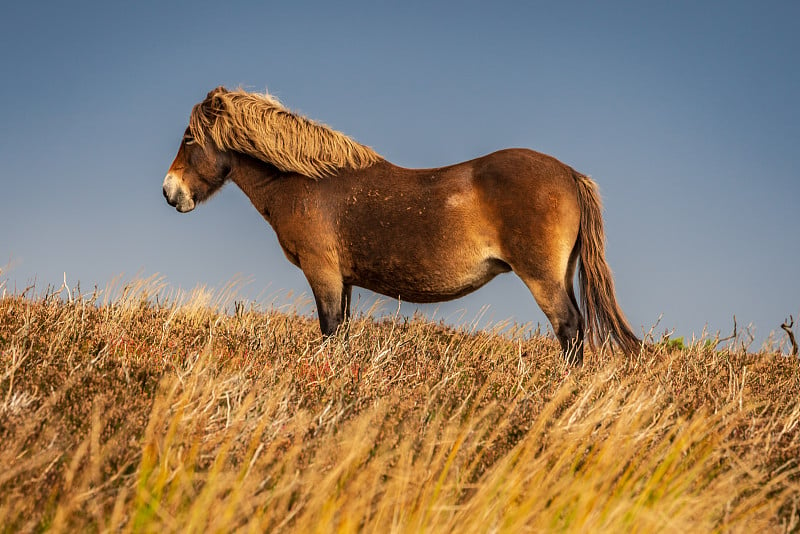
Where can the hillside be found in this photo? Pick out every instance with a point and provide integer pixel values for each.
(126, 413)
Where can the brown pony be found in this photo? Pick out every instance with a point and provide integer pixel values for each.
(347, 217)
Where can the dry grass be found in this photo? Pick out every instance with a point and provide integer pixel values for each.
(122, 413)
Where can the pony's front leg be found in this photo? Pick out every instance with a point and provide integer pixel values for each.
(347, 293)
(331, 298)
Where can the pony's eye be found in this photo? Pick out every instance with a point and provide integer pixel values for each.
(188, 139)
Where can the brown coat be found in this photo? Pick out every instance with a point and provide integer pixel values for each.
(347, 217)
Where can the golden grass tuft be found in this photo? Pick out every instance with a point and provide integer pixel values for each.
(193, 412)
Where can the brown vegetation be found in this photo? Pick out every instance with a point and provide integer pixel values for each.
(136, 415)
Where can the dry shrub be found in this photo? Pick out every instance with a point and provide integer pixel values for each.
(195, 413)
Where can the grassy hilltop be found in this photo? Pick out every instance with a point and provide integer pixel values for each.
(136, 415)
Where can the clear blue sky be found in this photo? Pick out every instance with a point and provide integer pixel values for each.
(686, 113)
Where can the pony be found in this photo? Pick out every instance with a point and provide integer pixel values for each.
(348, 217)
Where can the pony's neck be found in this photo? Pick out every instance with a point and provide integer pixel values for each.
(257, 180)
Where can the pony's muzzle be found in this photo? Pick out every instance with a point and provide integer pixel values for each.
(177, 194)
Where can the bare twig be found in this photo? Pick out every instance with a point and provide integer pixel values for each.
(787, 327)
(751, 337)
(732, 336)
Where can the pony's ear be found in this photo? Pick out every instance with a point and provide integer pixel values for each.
(214, 102)
(219, 90)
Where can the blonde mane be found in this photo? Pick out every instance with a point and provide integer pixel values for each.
(259, 126)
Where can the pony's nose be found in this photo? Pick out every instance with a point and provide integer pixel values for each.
(177, 194)
(171, 201)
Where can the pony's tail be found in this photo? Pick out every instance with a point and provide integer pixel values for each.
(602, 314)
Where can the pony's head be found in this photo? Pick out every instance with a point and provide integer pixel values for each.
(259, 126)
(200, 168)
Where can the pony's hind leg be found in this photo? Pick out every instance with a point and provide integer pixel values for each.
(558, 304)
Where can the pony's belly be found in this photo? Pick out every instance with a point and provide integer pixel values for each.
(420, 285)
